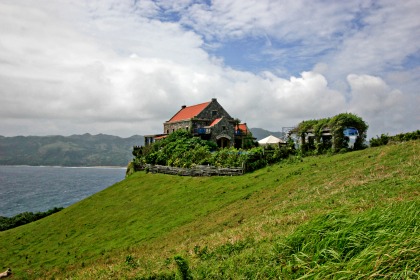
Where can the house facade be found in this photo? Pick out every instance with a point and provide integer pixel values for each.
(209, 121)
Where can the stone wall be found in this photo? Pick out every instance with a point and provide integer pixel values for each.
(223, 129)
(214, 111)
(198, 170)
(174, 126)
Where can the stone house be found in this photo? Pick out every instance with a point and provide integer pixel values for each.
(209, 121)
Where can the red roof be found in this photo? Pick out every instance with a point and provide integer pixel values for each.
(160, 137)
(216, 121)
(243, 128)
(189, 112)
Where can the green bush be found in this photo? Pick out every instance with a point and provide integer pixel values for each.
(384, 139)
(379, 140)
(181, 149)
(25, 218)
(230, 157)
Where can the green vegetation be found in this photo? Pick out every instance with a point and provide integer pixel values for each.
(75, 150)
(25, 218)
(181, 149)
(347, 216)
(336, 124)
(385, 138)
(377, 243)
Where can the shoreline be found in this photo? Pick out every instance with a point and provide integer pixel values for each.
(61, 166)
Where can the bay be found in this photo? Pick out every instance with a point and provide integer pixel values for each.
(40, 188)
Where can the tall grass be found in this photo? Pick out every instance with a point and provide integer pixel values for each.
(377, 243)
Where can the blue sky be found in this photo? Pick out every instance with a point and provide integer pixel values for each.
(125, 67)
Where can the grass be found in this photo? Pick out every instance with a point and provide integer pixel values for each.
(378, 242)
(345, 216)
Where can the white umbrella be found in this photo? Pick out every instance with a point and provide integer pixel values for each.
(271, 140)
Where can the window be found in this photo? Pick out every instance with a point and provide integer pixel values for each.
(223, 127)
(213, 113)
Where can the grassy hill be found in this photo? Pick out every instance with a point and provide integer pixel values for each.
(74, 150)
(353, 215)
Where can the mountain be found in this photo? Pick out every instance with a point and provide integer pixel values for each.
(345, 216)
(261, 133)
(74, 150)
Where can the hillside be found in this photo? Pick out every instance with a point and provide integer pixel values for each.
(75, 150)
(353, 215)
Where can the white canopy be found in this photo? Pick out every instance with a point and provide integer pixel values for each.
(270, 140)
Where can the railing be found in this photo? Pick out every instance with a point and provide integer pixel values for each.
(202, 130)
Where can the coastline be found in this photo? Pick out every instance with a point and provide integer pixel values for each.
(63, 166)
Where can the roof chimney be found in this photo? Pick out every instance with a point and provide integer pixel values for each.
(214, 99)
(183, 106)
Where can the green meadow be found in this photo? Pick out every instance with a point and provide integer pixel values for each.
(344, 216)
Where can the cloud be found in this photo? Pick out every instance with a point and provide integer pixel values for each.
(384, 108)
(389, 35)
(286, 20)
(124, 68)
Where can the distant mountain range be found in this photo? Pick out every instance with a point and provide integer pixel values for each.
(75, 150)
(260, 133)
(78, 150)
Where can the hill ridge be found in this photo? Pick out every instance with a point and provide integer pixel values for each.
(73, 150)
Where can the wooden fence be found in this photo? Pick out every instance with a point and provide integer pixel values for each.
(198, 170)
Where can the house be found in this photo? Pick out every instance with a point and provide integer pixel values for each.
(209, 121)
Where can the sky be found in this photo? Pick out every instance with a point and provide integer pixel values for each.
(125, 67)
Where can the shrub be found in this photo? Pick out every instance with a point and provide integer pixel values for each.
(379, 140)
(230, 157)
(384, 139)
(181, 149)
(25, 218)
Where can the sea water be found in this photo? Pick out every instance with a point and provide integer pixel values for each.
(38, 189)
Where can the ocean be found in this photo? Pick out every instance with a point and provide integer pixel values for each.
(40, 188)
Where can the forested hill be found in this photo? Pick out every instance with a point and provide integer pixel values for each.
(74, 150)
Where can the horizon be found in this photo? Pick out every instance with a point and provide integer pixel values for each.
(105, 134)
(120, 67)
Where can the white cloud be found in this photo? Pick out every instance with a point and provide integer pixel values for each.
(385, 109)
(286, 20)
(391, 33)
(116, 67)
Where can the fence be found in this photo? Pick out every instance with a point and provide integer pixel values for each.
(198, 170)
